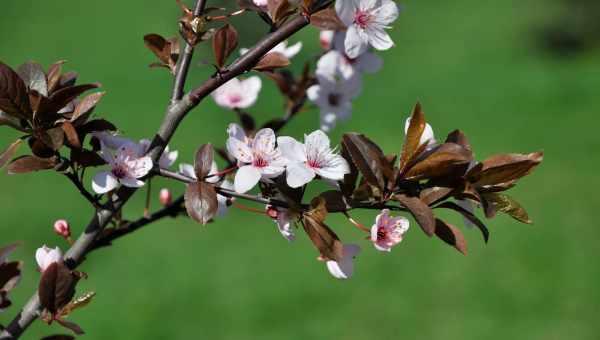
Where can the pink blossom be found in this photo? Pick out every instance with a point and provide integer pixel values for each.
(238, 94)
(62, 228)
(167, 158)
(46, 256)
(388, 231)
(260, 160)
(344, 269)
(127, 165)
(315, 157)
(366, 21)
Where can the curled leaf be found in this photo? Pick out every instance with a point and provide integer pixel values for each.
(451, 235)
(504, 168)
(201, 201)
(9, 152)
(327, 19)
(25, 164)
(324, 239)
(413, 136)
(225, 41)
(204, 161)
(271, 61)
(506, 204)
(420, 211)
(34, 77)
(368, 159)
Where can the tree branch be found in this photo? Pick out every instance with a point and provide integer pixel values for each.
(173, 117)
(186, 58)
(109, 235)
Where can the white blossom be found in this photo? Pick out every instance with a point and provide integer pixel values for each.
(45, 256)
(334, 91)
(366, 21)
(315, 157)
(366, 62)
(260, 160)
(127, 164)
(238, 94)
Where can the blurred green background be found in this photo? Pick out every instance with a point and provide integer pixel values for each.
(475, 65)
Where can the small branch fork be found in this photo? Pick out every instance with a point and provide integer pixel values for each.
(179, 106)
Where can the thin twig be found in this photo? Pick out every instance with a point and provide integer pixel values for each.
(109, 235)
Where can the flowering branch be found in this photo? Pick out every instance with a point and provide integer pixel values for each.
(173, 117)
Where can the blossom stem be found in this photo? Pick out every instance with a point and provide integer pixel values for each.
(246, 208)
(148, 194)
(221, 173)
(356, 223)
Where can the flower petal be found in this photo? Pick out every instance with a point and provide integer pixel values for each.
(345, 10)
(356, 42)
(246, 178)
(187, 170)
(240, 150)
(299, 174)
(264, 141)
(104, 182)
(291, 149)
(335, 169)
(131, 182)
(379, 39)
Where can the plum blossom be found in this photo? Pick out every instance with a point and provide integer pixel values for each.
(345, 268)
(426, 137)
(283, 218)
(314, 157)
(283, 48)
(335, 90)
(62, 228)
(366, 21)
(188, 170)
(166, 159)
(366, 62)
(238, 94)
(127, 163)
(262, 4)
(259, 160)
(45, 256)
(388, 231)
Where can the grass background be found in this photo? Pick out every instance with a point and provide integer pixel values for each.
(474, 65)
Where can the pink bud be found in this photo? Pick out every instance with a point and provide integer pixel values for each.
(61, 227)
(271, 211)
(165, 197)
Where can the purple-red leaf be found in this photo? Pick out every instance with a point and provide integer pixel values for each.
(271, 61)
(225, 41)
(25, 164)
(204, 160)
(368, 159)
(451, 235)
(34, 77)
(469, 216)
(504, 168)
(327, 19)
(326, 241)
(413, 135)
(13, 93)
(420, 211)
(85, 106)
(57, 287)
(201, 201)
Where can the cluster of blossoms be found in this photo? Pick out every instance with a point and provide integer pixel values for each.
(339, 71)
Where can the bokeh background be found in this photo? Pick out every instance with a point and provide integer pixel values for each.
(515, 76)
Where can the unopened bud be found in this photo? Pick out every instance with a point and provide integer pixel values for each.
(61, 227)
(165, 197)
(271, 211)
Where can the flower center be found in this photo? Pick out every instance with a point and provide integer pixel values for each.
(334, 99)
(381, 234)
(362, 18)
(119, 171)
(314, 163)
(259, 161)
(235, 98)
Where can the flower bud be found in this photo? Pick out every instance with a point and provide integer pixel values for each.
(271, 211)
(165, 196)
(61, 228)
